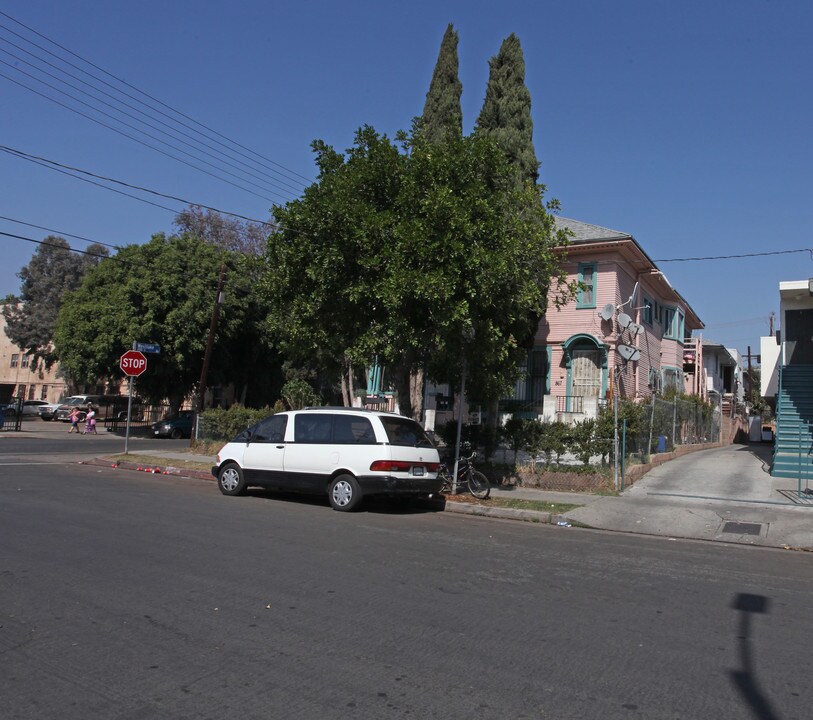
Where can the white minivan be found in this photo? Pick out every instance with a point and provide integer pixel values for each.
(346, 453)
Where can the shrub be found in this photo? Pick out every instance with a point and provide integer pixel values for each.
(514, 434)
(583, 440)
(222, 424)
(298, 394)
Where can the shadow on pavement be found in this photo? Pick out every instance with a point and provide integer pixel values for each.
(373, 505)
(762, 451)
(744, 679)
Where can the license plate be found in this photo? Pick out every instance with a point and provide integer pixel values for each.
(157, 433)
(418, 470)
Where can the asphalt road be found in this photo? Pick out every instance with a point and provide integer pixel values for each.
(125, 596)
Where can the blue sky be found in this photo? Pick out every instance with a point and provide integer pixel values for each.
(685, 124)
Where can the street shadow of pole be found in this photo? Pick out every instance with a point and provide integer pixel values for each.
(744, 679)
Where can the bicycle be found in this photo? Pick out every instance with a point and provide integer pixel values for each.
(467, 477)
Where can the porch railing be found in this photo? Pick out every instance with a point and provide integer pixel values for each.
(570, 403)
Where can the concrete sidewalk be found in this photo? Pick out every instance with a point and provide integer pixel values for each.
(725, 495)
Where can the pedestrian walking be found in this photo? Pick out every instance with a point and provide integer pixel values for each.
(90, 421)
(74, 421)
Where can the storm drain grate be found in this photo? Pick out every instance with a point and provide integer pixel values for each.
(742, 528)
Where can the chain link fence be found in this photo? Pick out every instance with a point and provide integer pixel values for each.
(660, 425)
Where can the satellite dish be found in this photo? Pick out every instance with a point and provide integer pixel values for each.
(628, 352)
(624, 320)
(635, 329)
(607, 311)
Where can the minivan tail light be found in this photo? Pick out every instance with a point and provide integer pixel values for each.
(401, 466)
(390, 466)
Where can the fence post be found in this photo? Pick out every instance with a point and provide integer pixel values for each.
(651, 423)
(623, 452)
(674, 423)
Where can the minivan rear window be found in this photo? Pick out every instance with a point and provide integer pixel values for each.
(405, 432)
(352, 429)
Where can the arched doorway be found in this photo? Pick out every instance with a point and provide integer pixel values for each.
(586, 362)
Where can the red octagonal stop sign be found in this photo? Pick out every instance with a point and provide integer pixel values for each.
(133, 363)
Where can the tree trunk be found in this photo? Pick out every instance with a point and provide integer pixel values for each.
(416, 378)
(351, 384)
(344, 389)
(408, 381)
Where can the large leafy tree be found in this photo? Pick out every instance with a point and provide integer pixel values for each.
(506, 112)
(415, 256)
(163, 292)
(53, 271)
(442, 113)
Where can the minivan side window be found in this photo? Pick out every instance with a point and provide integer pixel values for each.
(311, 428)
(351, 429)
(272, 429)
(406, 432)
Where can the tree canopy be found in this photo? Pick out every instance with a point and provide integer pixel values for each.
(442, 113)
(230, 233)
(414, 256)
(163, 292)
(506, 112)
(53, 271)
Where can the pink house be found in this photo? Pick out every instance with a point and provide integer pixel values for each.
(625, 300)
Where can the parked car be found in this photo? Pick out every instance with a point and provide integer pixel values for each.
(175, 426)
(100, 402)
(345, 453)
(9, 410)
(47, 411)
(31, 407)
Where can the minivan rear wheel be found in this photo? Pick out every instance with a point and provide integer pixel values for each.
(230, 480)
(344, 493)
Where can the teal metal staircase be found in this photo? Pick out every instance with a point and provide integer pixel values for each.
(793, 452)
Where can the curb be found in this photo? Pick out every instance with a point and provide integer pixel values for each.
(449, 505)
(152, 469)
(536, 516)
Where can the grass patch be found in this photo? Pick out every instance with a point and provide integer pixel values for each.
(538, 505)
(149, 460)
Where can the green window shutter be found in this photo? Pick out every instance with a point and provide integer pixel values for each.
(586, 297)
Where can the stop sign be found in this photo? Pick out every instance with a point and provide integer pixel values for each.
(133, 363)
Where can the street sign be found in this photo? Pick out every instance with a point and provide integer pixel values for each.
(133, 363)
(153, 348)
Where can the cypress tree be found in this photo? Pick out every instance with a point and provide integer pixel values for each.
(442, 113)
(506, 111)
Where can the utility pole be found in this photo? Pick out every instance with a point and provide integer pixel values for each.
(207, 356)
(750, 376)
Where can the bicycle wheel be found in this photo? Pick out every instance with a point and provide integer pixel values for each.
(479, 485)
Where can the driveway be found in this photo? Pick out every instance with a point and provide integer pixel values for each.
(722, 494)
(734, 472)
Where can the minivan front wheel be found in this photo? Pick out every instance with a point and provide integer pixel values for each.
(344, 493)
(230, 480)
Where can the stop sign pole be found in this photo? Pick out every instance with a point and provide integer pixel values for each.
(133, 363)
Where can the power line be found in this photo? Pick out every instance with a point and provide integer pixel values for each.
(286, 188)
(62, 168)
(732, 257)
(288, 172)
(127, 135)
(49, 244)
(127, 262)
(59, 232)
